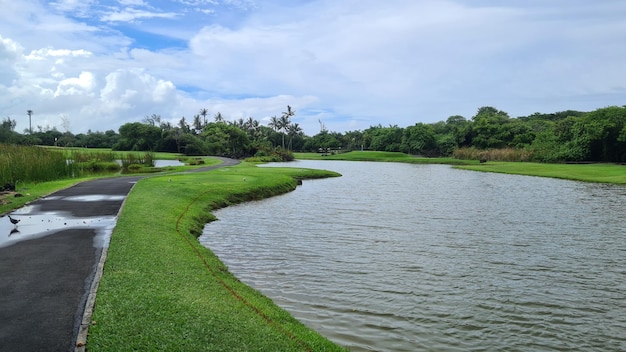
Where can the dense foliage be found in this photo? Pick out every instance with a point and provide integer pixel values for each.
(575, 136)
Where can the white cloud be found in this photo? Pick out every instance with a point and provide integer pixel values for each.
(41, 54)
(76, 7)
(10, 51)
(131, 15)
(83, 84)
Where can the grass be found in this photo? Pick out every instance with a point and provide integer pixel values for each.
(29, 169)
(382, 156)
(32, 164)
(31, 191)
(116, 154)
(162, 290)
(602, 173)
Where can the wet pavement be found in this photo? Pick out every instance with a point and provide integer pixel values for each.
(49, 260)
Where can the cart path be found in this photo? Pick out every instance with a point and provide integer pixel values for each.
(49, 262)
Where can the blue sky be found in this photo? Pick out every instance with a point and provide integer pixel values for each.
(95, 65)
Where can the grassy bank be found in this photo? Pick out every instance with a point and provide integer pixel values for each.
(162, 290)
(603, 173)
(382, 156)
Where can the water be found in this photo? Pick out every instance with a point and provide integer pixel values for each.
(398, 257)
(166, 163)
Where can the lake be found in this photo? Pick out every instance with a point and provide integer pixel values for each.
(400, 257)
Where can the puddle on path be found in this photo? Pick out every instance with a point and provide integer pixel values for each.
(88, 198)
(35, 224)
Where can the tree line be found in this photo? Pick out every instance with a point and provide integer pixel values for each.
(573, 136)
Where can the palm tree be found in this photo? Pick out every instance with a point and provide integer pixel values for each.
(203, 113)
(285, 121)
(283, 126)
(251, 126)
(238, 123)
(197, 124)
(218, 117)
(294, 130)
(274, 123)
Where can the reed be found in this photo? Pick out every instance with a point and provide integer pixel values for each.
(33, 164)
(145, 159)
(503, 154)
(99, 156)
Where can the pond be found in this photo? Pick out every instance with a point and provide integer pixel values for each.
(399, 257)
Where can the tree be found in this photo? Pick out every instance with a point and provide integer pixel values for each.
(285, 121)
(7, 131)
(197, 124)
(486, 129)
(419, 139)
(322, 140)
(138, 136)
(384, 138)
(153, 120)
(225, 139)
(600, 134)
(203, 113)
(294, 131)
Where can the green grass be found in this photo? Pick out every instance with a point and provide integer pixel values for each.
(382, 156)
(162, 290)
(602, 173)
(31, 191)
(117, 154)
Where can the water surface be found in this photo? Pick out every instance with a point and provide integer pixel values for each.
(399, 257)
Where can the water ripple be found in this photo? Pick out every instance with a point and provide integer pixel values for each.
(438, 259)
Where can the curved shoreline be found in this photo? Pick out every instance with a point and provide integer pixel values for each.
(150, 242)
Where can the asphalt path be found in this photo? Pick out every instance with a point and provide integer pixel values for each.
(51, 261)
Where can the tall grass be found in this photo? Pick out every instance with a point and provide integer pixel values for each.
(33, 164)
(503, 154)
(145, 159)
(83, 156)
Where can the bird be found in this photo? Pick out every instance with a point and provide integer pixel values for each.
(13, 221)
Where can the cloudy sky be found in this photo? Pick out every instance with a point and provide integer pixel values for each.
(349, 63)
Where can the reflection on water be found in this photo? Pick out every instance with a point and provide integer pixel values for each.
(166, 163)
(396, 257)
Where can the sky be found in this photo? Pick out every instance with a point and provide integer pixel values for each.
(83, 65)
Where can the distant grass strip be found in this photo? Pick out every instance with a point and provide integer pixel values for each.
(162, 290)
(601, 173)
(382, 156)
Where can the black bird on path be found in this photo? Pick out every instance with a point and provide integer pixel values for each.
(13, 221)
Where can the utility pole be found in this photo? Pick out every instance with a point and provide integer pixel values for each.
(30, 125)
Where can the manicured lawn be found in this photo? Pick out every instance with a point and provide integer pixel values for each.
(603, 173)
(382, 156)
(162, 290)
